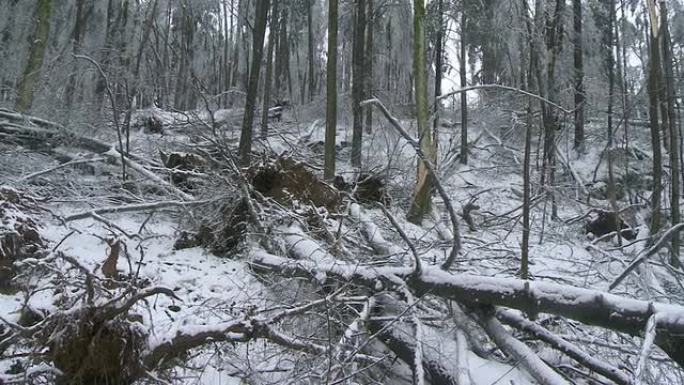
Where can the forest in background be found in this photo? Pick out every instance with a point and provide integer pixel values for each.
(341, 191)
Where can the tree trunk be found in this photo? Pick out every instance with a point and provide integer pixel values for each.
(464, 100)
(369, 63)
(553, 38)
(579, 76)
(439, 46)
(610, 69)
(312, 75)
(269, 70)
(32, 70)
(422, 201)
(653, 97)
(261, 16)
(331, 93)
(77, 37)
(672, 129)
(358, 84)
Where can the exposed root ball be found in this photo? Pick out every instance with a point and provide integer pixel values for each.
(19, 236)
(286, 181)
(97, 353)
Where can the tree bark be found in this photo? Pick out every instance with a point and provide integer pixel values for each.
(331, 94)
(578, 62)
(439, 56)
(653, 97)
(422, 201)
(268, 80)
(590, 307)
(464, 100)
(77, 37)
(358, 82)
(310, 35)
(32, 70)
(261, 17)
(369, 63)
(670, 100)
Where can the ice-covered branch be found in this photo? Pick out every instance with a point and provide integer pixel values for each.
(599, 366)
(435, 177)
(504, 88)
(521, 352)
(591, 307)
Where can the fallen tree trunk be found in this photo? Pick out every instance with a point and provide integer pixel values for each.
(399, 345)
(591, 307)
(39, 135)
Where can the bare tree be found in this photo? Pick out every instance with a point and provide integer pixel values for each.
(261, 17)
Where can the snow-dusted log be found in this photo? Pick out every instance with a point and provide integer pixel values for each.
(591, 307)
(400, 343)
(18, 117)
(190, 337)
(517, 349)
(98, 147)
(133, 207)
(60, 166)
(372, 233)
(599, 366)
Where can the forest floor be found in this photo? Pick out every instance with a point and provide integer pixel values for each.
(212, 289)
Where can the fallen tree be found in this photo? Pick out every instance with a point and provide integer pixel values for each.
(590, 307)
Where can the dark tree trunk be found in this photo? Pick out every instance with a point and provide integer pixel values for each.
(310, 35)
(653, 97)
(358, 82)
(77, 37)
(32, 70)
(369, 63)
(331, 93)
(464, 101)
(261, 16)
(579, 75)
(439, 56)
(268, 81)
(670, 101)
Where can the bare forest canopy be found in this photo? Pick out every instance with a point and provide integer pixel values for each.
(341, 192)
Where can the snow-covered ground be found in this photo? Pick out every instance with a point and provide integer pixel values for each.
(215, 289)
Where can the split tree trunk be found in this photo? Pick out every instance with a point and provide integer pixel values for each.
(422, 200)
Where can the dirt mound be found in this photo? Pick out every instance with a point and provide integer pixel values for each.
(287, 181)
(92, 352)
(367, 188)
(19, 233)
(221, 235)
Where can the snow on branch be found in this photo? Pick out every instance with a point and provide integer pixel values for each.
(599, 366)
(517, 349)
(504, 88)
(435, 177)
(591, 307)
(133, 207)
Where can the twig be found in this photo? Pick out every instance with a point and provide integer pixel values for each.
(417, 266)
(504, 88)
